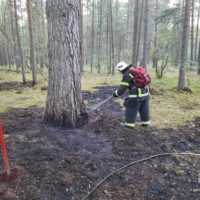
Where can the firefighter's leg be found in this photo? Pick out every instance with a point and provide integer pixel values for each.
(144, 112)
(131, 114)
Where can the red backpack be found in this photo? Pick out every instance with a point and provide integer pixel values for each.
(140, 76)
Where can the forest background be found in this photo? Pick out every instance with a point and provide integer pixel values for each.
(107, 35)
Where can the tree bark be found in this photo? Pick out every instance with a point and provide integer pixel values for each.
(31, 39)
(64, 106)
(184, 44)
(112, 56)
(198, 70)
(139, 29)
(19, 44)
(135, 34)
(192, 34)
(81, 33)
(99, 36)
(145, 42)
(197, 34)
(155, 51)
(92, 37)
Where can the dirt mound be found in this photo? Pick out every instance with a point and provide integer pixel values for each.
(58, 163)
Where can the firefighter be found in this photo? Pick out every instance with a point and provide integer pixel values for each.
(137, 99)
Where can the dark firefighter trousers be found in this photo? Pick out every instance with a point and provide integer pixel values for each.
(131, 113)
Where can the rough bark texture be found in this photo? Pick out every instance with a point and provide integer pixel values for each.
(184, 44)
(32, 49)
(64, 101)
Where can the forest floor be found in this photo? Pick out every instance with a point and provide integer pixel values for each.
(64, 164)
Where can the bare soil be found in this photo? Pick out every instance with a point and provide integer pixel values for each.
(64, 164)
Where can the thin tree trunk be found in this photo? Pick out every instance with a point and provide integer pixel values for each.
(19, 44)
(31, 38)
(145, 44)
(112, 40)
(197, 34)
(99, 36)
(139, 30)
(13, 36)
(192, 34)
(87, 52)
(155, 53)
(135, 34)
(129, 28)
(184, 45)
(108, 39)
(198, 71)
(81, 32)
(117, 39)
(92, 37)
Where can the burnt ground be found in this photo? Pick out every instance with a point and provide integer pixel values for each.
(64, 164)
(14, 85)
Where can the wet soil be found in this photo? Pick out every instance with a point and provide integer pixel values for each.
(64, 164)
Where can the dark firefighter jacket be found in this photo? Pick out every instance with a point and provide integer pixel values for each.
(135, 94)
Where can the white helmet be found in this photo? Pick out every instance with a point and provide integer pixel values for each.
(121, 66)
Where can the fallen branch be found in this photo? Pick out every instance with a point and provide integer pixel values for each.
(134, 162)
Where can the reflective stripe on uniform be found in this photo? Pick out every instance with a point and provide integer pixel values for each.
(144, 95)
(146, 123)
(132, 96)
(139, 92)
(135, 96)
(132, 125)
(124, 83)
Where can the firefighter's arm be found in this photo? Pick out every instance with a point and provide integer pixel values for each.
(126, 80)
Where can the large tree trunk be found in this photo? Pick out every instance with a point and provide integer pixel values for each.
(65, 106)
(184, 44)
(32, 49)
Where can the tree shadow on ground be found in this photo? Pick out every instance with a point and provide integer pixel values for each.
(14, 85)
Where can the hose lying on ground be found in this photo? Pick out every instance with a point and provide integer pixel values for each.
(134, 162)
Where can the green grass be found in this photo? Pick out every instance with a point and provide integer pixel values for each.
(21, 98)
(169, 108)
